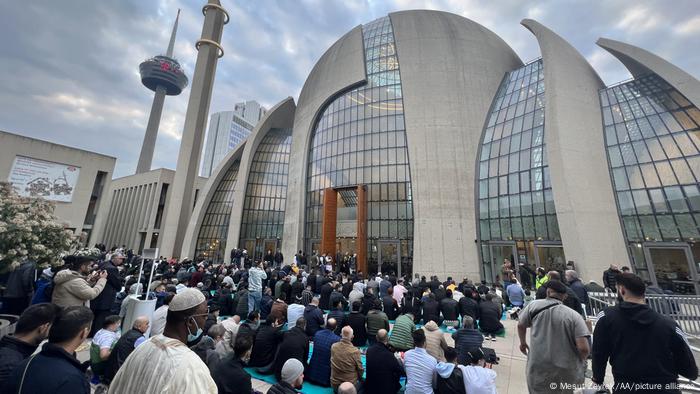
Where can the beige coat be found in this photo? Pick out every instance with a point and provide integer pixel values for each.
(72, 289)
(435, 343)
(346, 365)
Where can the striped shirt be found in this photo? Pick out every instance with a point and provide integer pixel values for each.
(420, 367)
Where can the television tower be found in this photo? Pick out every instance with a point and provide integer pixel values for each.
(163, 75)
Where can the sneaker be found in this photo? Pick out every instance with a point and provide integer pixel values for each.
(493, 339)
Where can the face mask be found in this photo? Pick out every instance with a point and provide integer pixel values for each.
(193, 337)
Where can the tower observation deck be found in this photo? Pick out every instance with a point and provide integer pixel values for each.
(163, 75)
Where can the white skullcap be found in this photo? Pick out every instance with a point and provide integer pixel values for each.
(291, 370)
(186, 299)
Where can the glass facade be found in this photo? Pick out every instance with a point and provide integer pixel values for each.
(266, 192)
(211, 241)
(360, 139)
(516, 204)
(653, 143)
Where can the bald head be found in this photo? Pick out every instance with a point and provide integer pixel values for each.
(383, 336)
(141, 323)
(331, 324)
(347, 332)
(347, 388)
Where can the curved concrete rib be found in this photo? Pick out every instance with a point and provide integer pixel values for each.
(339, 69)
(280, 116)
(640, 61)
(451, 68)
(585, 205)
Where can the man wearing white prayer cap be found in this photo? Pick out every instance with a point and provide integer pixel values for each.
(164, 363)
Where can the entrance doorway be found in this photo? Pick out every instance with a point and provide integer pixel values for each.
(500, 251)
(389, 258)
(257, 248)
(550, 257)
(673, 268)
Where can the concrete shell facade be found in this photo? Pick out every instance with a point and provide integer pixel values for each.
(279, 117)
(451, 70)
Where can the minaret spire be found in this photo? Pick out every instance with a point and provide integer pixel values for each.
(171, 45)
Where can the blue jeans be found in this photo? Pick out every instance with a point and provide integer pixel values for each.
(254, 298)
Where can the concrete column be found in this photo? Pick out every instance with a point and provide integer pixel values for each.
(149, 139)
(180, 205)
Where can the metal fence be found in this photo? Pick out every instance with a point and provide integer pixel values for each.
(683, 309)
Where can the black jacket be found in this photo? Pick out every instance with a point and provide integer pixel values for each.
(311, 281)
(122, 349)
(571, 300)
(106, 298)
(454, 384)
(335, 297)
(265, 346)
(229, 376)
(358, 321)
(383, 371)
(367, 303)
(391, 308)
(490, 320)
(20, 282)
(53, 370)
(295, 344)
(610, 279)
(642, 346)
(282, 388)
(297, 289)
(431, 311)
(577, 287)
(469, 307)
(12, 353)
(314, 319)
(449, 308)
(341, 319)
(325, 300)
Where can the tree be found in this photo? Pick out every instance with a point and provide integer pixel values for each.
(29, 230)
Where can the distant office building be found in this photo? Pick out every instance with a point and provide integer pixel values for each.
(226, 130)
(251, 111)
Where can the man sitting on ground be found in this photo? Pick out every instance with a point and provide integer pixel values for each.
(467, 338)
(291, 378)
(383, 369)
(319, 371)
(477, 378)
(449, 379)
(102, 345)
(346, 365)
(420, 367)
(125, 345)
(401, 334)
(228, 373)
(295, 344)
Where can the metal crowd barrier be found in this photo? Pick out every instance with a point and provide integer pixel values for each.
(683, 309)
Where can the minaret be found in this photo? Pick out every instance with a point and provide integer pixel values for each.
(181, 201)
(163, 75)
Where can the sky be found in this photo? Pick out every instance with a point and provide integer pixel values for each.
(69, 68)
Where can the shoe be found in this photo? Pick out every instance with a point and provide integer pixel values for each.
(493, 339)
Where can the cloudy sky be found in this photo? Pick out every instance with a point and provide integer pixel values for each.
(69, 68)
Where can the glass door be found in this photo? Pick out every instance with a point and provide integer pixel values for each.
(673, 268)
(389, 258)
(551, 258)
(499, 253)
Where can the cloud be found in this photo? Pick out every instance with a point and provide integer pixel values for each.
(70, 72)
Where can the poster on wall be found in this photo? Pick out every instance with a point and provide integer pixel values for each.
(38, 178)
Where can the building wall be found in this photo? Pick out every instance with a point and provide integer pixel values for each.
(451, 68)
(226, 131)
(73, 213)
(585, 204)
(340, 68)
(130, 217)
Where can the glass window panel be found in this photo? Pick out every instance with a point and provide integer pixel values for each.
(676, 199)
(649, 228)
(528, 227)
(641, 201)
(634, 232)
(650, 177)
(687, 227)
(626, 203)
(670, 147)
(659, 200)
(665, 173)
(684, 143)
(614, 156)
(693, 195)
(668, 228)
(641, 151)
(635, 177)
(680, 167)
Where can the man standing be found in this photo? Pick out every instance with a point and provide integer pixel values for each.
(399, 291)
(576, 286)
(172, 366)
(72, 288)
(31, 328)
(516, 295)
(642, 345)
(320, 365)
(346, 365)
(559, 340)
(55, 369)
(256, 274)
(19, 288)
(383, 369)
(610, 277)
(102, 304)
(420, 367)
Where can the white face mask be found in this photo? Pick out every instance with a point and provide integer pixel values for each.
(193, 337)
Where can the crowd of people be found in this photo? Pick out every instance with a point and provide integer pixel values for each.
(310, 320)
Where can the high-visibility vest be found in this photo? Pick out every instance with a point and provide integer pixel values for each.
(540, 281)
